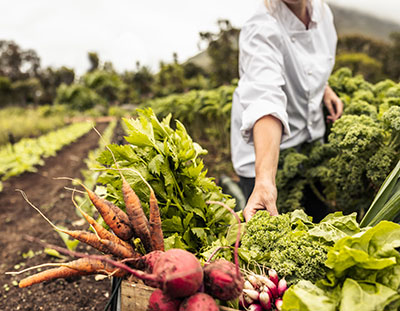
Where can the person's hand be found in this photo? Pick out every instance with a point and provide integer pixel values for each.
(333, 103)
(263, 197)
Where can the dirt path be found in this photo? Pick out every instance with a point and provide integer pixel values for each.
(18, 219)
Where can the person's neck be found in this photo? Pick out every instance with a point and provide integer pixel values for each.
(300, 10)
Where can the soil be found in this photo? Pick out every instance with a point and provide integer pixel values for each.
(18, 219)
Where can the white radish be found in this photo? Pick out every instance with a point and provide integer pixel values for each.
(255, 307)
(271, 285)
(278, 304)
(265, 300)
(252, 293)
(248, 285)
(282, 287)
(273, 276)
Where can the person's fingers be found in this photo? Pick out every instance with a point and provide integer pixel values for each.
(339, 108)
(329, 106)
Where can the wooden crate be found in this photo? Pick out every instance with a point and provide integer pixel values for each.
(135, 297)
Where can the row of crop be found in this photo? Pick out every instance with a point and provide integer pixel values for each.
(26, 154)
(344, 172)
(17, 123)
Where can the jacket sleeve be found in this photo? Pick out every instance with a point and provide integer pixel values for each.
(262, 77)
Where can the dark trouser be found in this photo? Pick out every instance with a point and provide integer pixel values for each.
(247, 186)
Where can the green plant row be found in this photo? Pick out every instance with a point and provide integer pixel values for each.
(205, 113)
(30, 152)
(17, 123)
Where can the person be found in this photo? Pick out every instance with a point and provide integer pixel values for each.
(286, 55)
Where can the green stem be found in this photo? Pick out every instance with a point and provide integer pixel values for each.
(321, 197)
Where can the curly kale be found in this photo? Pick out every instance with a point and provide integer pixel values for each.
(361, 107)
(285, 245)
(362, 148)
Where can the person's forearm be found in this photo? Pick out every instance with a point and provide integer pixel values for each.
(267, 134)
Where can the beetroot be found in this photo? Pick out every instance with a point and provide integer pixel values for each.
(221, 280)
(179, 272)
(199, 302)
(161, 302)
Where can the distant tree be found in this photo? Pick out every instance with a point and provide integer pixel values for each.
(16, 63)
(191, 70)
(5, 91)
(51, 79)
(27, 91)
(393, 63)
(143, 80)
(170, 78)
(222, 47)
(78, 97)
(94, 61)
(106, 84)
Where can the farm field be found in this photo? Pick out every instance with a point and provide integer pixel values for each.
(19, 219)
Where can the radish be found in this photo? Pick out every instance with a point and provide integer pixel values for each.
(278, 304)
(222, 278)
(282, 286)
(199, 302)
(252, 294)
(273, 276)
(161, 302)
(265, 300)
(255, 307)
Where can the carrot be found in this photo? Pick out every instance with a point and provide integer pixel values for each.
(80, 235)
(102, 232)
(113, 216)
(119, 250)
(157, 237)
(94, 266)
(136, 215)
(134, 209)
(82, 266)
(51, 274)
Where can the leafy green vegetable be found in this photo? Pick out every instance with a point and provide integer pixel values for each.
(292, 245)
(364, 274)
(170, 161)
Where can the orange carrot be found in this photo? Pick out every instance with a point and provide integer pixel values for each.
(136, 215)
(102, 232)
(133, 207)
(113, 216)
(94, 266)
(80, 235)
(47, 275)
(82, 266)
(157, 237)
(119, 250)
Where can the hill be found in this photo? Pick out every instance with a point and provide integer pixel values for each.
(347, 21)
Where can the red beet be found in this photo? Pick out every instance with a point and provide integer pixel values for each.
(161, 302)
(221, 280)
(180, 273)
(199, 302)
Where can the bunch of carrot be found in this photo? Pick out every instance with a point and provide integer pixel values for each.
(117, 244)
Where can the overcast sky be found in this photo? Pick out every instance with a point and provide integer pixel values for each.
(126, 31)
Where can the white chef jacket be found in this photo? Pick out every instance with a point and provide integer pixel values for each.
(283, 70)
